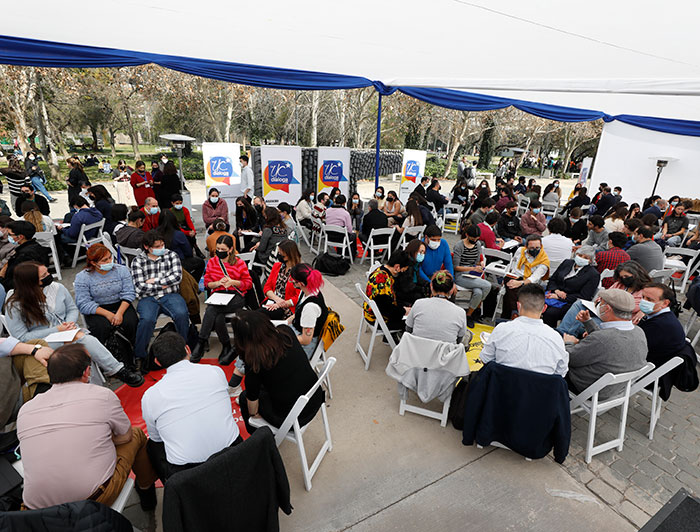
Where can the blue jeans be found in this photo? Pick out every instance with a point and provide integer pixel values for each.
(570, 325)
(310, 347)
(38, 184)
(99, 354)
(149, 308)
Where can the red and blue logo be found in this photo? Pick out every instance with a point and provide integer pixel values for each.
(220, 169)
(330, 174)
(411, 170)
(278, 175)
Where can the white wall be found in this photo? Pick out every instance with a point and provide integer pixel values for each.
(623, 159)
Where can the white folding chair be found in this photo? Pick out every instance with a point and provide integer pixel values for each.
(588, 401)
(292, 431)
(453, 213)
(85, 242)
(129, 254)
(379, 240)
(640, 385)
(337, 237)
(46, 239)
(549, 209)
(379, 329)
(523, 205)
(679, 266)
(416, 231)
(318, 361)
(316, 235)
(373, 267)
(300, 230)
(661, 276)
(497, 270)
(247, 258)
(607, 274)
(107, 242)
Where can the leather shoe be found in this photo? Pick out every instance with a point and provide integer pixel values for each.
(128, 377)
(227, 355)
(147, 498)
(197, 352)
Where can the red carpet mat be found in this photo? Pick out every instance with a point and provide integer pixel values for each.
(131, 397)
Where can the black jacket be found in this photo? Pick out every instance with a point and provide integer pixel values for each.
(605, 203)
(419, 190)
(374, 219)
(508, 227)
(583, 285)
(239, 488)
(29, 251)
(577, 231)
(665, 340)
(437, 199)
(40, 201)
(526, 411)
(81, 516)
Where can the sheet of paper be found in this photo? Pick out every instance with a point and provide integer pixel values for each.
(249, 233)
(590, 306)
(277, 323)
(510, 244)
(218, 298)
(63, 336)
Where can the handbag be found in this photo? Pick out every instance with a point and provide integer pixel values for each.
(556, 303)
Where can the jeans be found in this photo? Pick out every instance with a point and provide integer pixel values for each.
(672, 241)
(570, 325)
(99, 354)
(311, 347)
(149, 308)
(480, 289)
(38, 184)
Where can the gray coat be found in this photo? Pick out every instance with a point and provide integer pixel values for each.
(605, 351)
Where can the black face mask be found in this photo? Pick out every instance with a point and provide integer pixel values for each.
(627, 281)
(258, 208)
(46, 281)
(222, 254)
(534, 252)
(473, 241)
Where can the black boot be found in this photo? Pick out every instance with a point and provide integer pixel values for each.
(227, 355)
(197, 352)
(147, 498)
(129, 377)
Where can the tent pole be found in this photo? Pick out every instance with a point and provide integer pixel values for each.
(378, 143)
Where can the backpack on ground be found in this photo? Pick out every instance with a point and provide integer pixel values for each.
(120, 346)
(458, 404)
(331, 265)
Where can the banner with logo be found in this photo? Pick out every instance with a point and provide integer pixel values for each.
(585, 170)
(281, 171)
(412, 170)
(334, 170)
(222, 167)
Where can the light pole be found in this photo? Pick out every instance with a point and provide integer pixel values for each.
(661, 163)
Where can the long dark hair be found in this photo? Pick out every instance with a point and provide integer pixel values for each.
(100, 193)
(272, 217)
(227, 241)
(250, 213)
(28, 296)
(167, 225)
(412, 209)
(170, 169)
(258, 341)
(641, 277)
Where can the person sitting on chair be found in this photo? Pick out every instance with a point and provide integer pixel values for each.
(280, 294)
(311, 311)
(437, 254)
(277, 371)
(380, 289)
(93, 446)
(526, 342)
(420, 320)
(188, 412)
(21, 235)
(531, 266)
(664, 332)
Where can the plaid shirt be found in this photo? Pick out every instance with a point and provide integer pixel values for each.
(166, 270)
(609, 260)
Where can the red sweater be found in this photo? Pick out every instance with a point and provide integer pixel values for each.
(290, 293)
(143, 192)
(237, 271)
(151, 221)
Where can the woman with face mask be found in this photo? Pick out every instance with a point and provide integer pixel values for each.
(630, 277)
(104, 292)
(356, 209)
(409, 285)
(38, 307)
(280, 293)
(304, 208)
(574, 279)
(142, 183)
(225, 274)
(213, 208)
(469, 263)
(379, 196)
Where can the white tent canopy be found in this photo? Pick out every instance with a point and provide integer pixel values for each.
(617, 57)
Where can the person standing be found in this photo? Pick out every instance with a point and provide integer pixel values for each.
(16, 178)
(142, 183)
(247, 178)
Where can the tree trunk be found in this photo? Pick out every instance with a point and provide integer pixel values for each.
(22, 131)
(131, 131)
(456, 143)
(95, 144)
(113, 142)
(229, 115)
(315, 100)
(49, 153)
(214, 122)
(341, 118)
(487, 145)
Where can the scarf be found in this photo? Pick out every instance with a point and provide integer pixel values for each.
(527, 266)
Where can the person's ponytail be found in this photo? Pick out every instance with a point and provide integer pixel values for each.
(309, 277)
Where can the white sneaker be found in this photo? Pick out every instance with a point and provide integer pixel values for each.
(235, 392)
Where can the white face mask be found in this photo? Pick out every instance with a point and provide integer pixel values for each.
(433, 244)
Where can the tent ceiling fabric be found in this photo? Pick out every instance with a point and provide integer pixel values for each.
(624, 57)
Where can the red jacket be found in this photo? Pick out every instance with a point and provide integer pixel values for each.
(141, 193)
(238, 271)
(290, 293)
(151, 221)
(488, 237)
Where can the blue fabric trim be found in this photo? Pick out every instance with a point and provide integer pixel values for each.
(31, 52)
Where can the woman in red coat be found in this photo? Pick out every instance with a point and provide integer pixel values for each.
(281, 296)
(227, 274)
(142, 183)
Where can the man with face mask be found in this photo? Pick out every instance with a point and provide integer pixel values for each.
(531, 267)
(157, 275)
(508, 226)
(479, 214)
(437, 254)
(29, 195)
(615, 346)
(151, 213)
(380, 289)
(21, 235)
(533, 222)
(131, 235)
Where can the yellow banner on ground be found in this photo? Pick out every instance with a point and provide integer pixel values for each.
(475, 346)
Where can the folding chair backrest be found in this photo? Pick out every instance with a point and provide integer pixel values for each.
(301, 403)
(247, 257)
(497, 254)
(336, 231)
(606, 380)
(654, 375)
(661, 276)
(85, 229)
(416, 230)
(374, 266)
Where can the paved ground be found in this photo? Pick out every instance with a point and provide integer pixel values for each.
(385, 470)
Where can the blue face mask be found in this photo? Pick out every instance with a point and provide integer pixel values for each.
(11, 240)
(178, 206)
(646, 306)
(536, 211)
(106, 267)
(634, 240)
(214, 199)
(158, 252)
(420, 257)
(154, 210)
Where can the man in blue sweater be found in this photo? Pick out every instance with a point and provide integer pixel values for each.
(664, 332)
(437, 254)
(84, 215)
